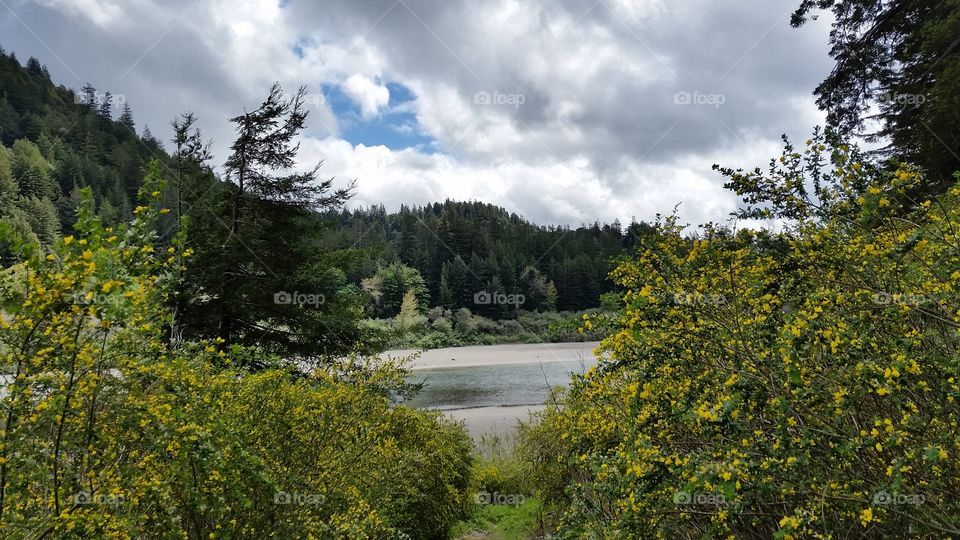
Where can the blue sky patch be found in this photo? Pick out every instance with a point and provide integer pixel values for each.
(396, 126)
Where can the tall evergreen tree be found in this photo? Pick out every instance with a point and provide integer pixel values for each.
(88, 97)
(126, 118)
(190, 151)
(34, 68)
(277, 289)
(106, 107)
(904, 58)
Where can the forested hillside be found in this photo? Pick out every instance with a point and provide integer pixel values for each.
(57, 141)
(463, 248)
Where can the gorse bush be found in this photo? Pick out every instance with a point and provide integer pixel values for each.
(109, 431)
(800, 384)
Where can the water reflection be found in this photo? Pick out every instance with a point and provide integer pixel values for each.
(492, 386)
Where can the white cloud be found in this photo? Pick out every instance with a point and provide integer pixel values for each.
(597, 136)
(369, 95)
(103, 13)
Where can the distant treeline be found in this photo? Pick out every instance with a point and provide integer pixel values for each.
(467, 248)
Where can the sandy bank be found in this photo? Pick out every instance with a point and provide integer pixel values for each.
(495, 355)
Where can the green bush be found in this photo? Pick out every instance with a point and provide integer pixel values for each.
(109, 431)
(801, 384)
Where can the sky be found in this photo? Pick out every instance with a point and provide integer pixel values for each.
(564, 111)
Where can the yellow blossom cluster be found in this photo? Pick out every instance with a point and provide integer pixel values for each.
(818, 401)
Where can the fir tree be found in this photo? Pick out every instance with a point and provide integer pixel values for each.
(106, 107)
(88, 97)
(126, 118)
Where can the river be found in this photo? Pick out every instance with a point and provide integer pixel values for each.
(491, 387)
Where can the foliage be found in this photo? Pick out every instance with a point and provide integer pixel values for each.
(108, 431)
(900, 58)
(389, 286)
(464, 248)
(261, 279)
(462, 328)
(64, 141)
(503, 522)
(791, 385)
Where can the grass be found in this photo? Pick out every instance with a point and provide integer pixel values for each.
(501, 522)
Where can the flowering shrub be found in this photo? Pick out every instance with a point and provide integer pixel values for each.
(108, 431)
(800, 384)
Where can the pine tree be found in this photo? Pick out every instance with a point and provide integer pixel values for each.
(126, 118)
(9, 191)
(409, 316)
(32, 171)
(189, 152)
(445, 293)
(896, 62)
(42, 216)
(106, 107)
(269, 252)
(34, 68)
(88, 97)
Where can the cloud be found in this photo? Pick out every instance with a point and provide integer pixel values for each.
(583, 120)
(368, 94)
(103, 13)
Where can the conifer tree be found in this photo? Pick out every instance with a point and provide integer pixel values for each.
(106, 107)
(88, 97)
(275, 288)
(126, 118)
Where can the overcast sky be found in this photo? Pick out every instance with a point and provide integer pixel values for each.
(565, 111)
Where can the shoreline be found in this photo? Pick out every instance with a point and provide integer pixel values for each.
(497, 355)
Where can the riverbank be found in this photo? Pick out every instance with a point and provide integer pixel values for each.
(499, 355)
